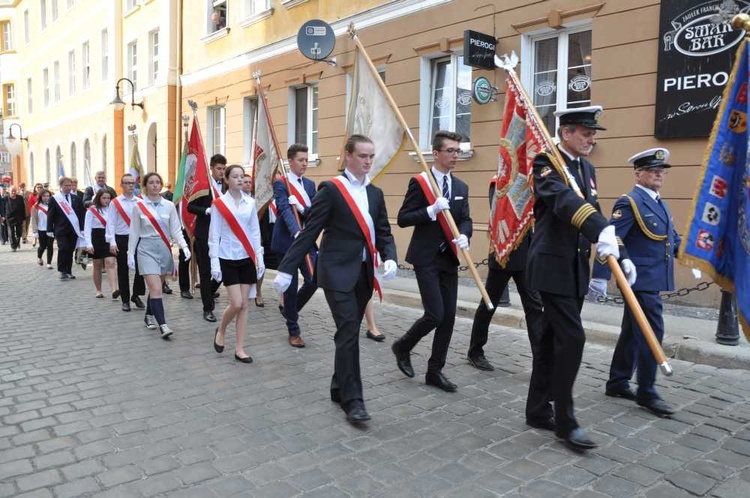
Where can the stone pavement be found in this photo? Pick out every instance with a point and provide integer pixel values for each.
(94, 404)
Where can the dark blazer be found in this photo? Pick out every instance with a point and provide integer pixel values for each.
(88, 195)
(58, 223)
(198, 208)
(286, 224)
(565, 227)
(340, 256)
(651, 242)
(428, 235)
(15, 209)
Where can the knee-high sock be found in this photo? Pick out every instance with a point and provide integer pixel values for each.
(149, 310)
(157, 306)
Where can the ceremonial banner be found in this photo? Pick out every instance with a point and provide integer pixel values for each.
(371, 115)
(718, 230)
(188, 219)
(265, 153)
(136, 167)
(196, 167)
(511, 213)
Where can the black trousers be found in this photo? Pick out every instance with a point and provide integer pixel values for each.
(123, 272)
(438, 287)
(496, 285)
(295, 299)
(348, 309)
(560, 353)
(15, 228)
(208, 285)
(45, 244)
(183, 267)
(66, 246)
(4, 230)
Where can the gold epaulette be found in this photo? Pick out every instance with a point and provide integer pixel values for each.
(582, 214)
(641, 223)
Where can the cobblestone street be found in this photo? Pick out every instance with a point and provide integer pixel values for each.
(94, 404)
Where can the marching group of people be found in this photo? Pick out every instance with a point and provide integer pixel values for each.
(232, 245)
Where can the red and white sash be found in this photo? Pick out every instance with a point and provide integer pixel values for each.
(359, 216)
(430, 195)
(237, 229)
(99, 216)
(41, 208)
(123, 214)
(154, 223)
(294, 190)
(274, 211)
(69, 213)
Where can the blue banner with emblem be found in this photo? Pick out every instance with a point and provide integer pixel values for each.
(718, 231)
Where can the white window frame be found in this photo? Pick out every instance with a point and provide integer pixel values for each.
(26, 27)
(217, 131)
(105, 54)
(29, 95)
(153, 53)
(312, 125)
(7, 36)
(45, 81)
(56, 79)
(72, 72)
(528, 44)
(132, 63)
(43, 13)
(9, 100)
(53, 10)
(249, 125)
(130, 5)
(254, 11)
(86, 65)
(211, 6)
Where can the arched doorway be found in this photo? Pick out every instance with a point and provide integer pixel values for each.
(73, 160)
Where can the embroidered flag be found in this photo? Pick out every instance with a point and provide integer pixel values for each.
(188, 219)
(718, 228)
(265, 153)
(196, 178)
(136, 167)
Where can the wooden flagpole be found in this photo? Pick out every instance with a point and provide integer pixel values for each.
(648, 333)
(433, 183)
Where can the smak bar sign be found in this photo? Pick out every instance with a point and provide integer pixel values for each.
(696, 53)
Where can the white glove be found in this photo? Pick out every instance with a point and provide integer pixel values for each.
(131, 262)
(462, 242)
(208, 211)
(51, 235)
(597, 289)
(607, 244)
(282, 282)
(261, 270)
(389, 269)
(294, 202)
(628, 268)
(697, 273)
(441, 203)
(215, 269)
(35, 235)
(186, 252)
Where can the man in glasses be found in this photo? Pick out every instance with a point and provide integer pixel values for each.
(644, 223)
(433, 252)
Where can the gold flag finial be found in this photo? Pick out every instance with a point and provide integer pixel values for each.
(741, 21)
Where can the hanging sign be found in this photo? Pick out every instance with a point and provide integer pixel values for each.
(479, 50)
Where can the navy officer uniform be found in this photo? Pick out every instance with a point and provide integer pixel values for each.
(643, 222)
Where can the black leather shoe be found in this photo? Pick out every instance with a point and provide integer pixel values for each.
(216, 295)
(71, 276)
(403, 359)
(357, 414)
(165, 288)
(125, 306)
(217, 347)
(186, 295)
(246, 359)
(547, 424)
(578, 441)
(440, 381)
(657, 406)
(209, 316)
(481, 363)
(376, 338)
(624, 392)
(138, 302)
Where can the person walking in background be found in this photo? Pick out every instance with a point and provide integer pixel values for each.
(3, 221)
(236, 257)
(15, 214)
(100, 182)
(26, 195)
(94, 234)
(39, 228)
(155, 224)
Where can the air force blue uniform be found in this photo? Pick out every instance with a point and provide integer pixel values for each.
(646, 228)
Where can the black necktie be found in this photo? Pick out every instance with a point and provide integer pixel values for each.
(67, 198)
(299, 180)
(446, 192)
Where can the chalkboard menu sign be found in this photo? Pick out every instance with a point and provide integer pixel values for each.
(697, 44)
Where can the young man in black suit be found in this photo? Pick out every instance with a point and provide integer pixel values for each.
(65, 221)
(201, 208)
(434, 253)
(343, 209)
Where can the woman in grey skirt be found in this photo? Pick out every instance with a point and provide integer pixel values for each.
(154, 226)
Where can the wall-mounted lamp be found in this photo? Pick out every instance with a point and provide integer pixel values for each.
(13, 144)
(118, 102)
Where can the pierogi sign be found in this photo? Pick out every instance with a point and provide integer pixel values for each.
(696, 53)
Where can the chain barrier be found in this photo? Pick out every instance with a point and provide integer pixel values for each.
(484, 262)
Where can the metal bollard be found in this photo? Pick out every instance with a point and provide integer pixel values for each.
(727, 330)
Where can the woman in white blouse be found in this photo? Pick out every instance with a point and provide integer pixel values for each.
(94, 227)
(39, 228)
(236, 256)
(154, 226)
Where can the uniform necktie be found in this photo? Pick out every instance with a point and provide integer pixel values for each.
(67, 198)
(299, 180)
(446, 193)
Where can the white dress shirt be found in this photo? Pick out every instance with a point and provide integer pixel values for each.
(439, 179)
(300, 187)
(358, 191)
(222, 242)
(41, 224)
(92, 221)
(116, 225)
(165, 214)
(651, 193)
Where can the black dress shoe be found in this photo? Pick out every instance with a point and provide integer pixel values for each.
(376, 338)
(166, 289)
(209, 316)
(578, 441)
(657, 406)
(403, 359)
(357, 414)
(623, 392)
(186, 294)
(71, 276)
(138, 302)
(217, 347)
(246, 359)
(125, 306)
(216, 295)
(547, 424)
(481, 363)
(440, 381)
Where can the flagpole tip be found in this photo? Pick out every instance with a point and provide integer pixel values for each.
(741, 21)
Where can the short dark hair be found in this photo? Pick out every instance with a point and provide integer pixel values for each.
(123, 176)
(441, 136)
(293, 149)
(148, 176)
(98, 197)
(218, 159)
(355, 139)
